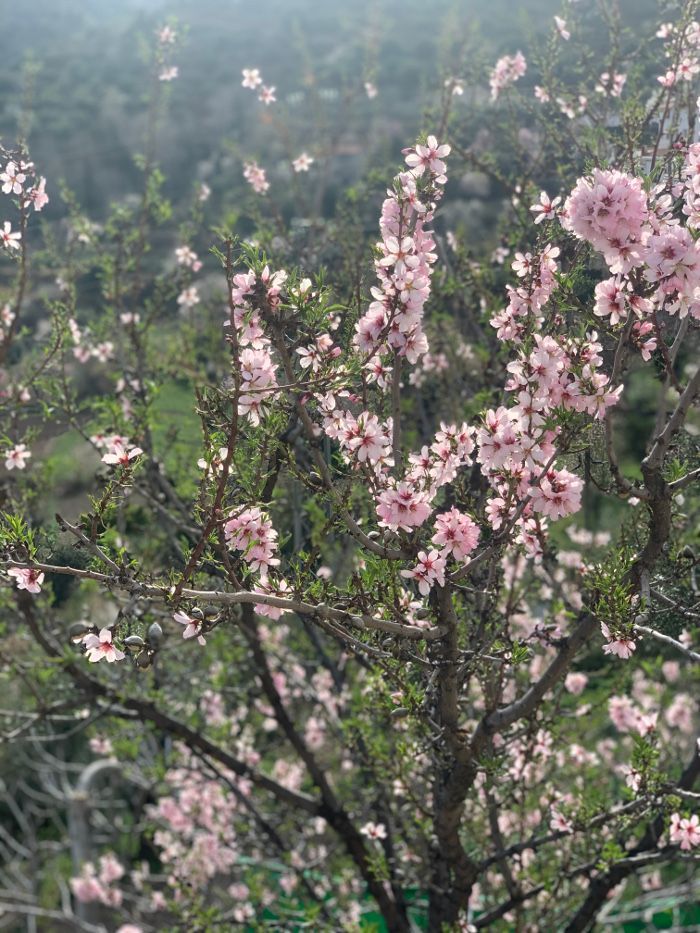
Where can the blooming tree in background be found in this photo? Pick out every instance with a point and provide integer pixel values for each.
(352, 623)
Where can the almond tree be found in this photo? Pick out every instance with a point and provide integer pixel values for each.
(355, 653)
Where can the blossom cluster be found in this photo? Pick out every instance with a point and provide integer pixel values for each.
(507, 70)
(610, 210)
(256, 365)
(256, 177)
(84, 349)
(407, 503)
(20, 179)
(166, 37)
(362, 438)
(516, 443)
(21, 182)
(251, 532)
(253, 80)
(682, 49)
(393, 322)
(98, 884)
(655, 261)
(197, 840)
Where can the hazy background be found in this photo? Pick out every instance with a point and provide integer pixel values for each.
(74, 76)
(81, 67)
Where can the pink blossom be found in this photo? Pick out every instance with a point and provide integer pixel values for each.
(546, 208)
(430, 157)
(193, 627)
(217, 460)
(166, 35)
(110, 868)
(685, 831)
(101, 646)
(679, 713)
(566, 108)
(251, 78)
(277, 588)
(522, 264)
(120, 454)
(455, 87)
(318, 354)
(396, 253)
(687, 69)
(27, 579)
(267, 95)
(393, 321)
(558, 494)
(623, 713)
(429, 569)
(38, 195)
(103, 352)
(646, 723)
(369, 441)
(187, 257)
(9, 239)
(633, 778)
(576, 682)
(258, 379)
(87, 888)
(101, 745)
(251, 532)
(610, 300)
(559, 823)
(16, 457)
(622, 646)
(12, 179)
(374, 830)
(188, 298)
(303, 162)
(673, 265)
(7, 315)
(560, 25)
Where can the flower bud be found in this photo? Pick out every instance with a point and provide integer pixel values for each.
(134, 642)
(155, 635)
